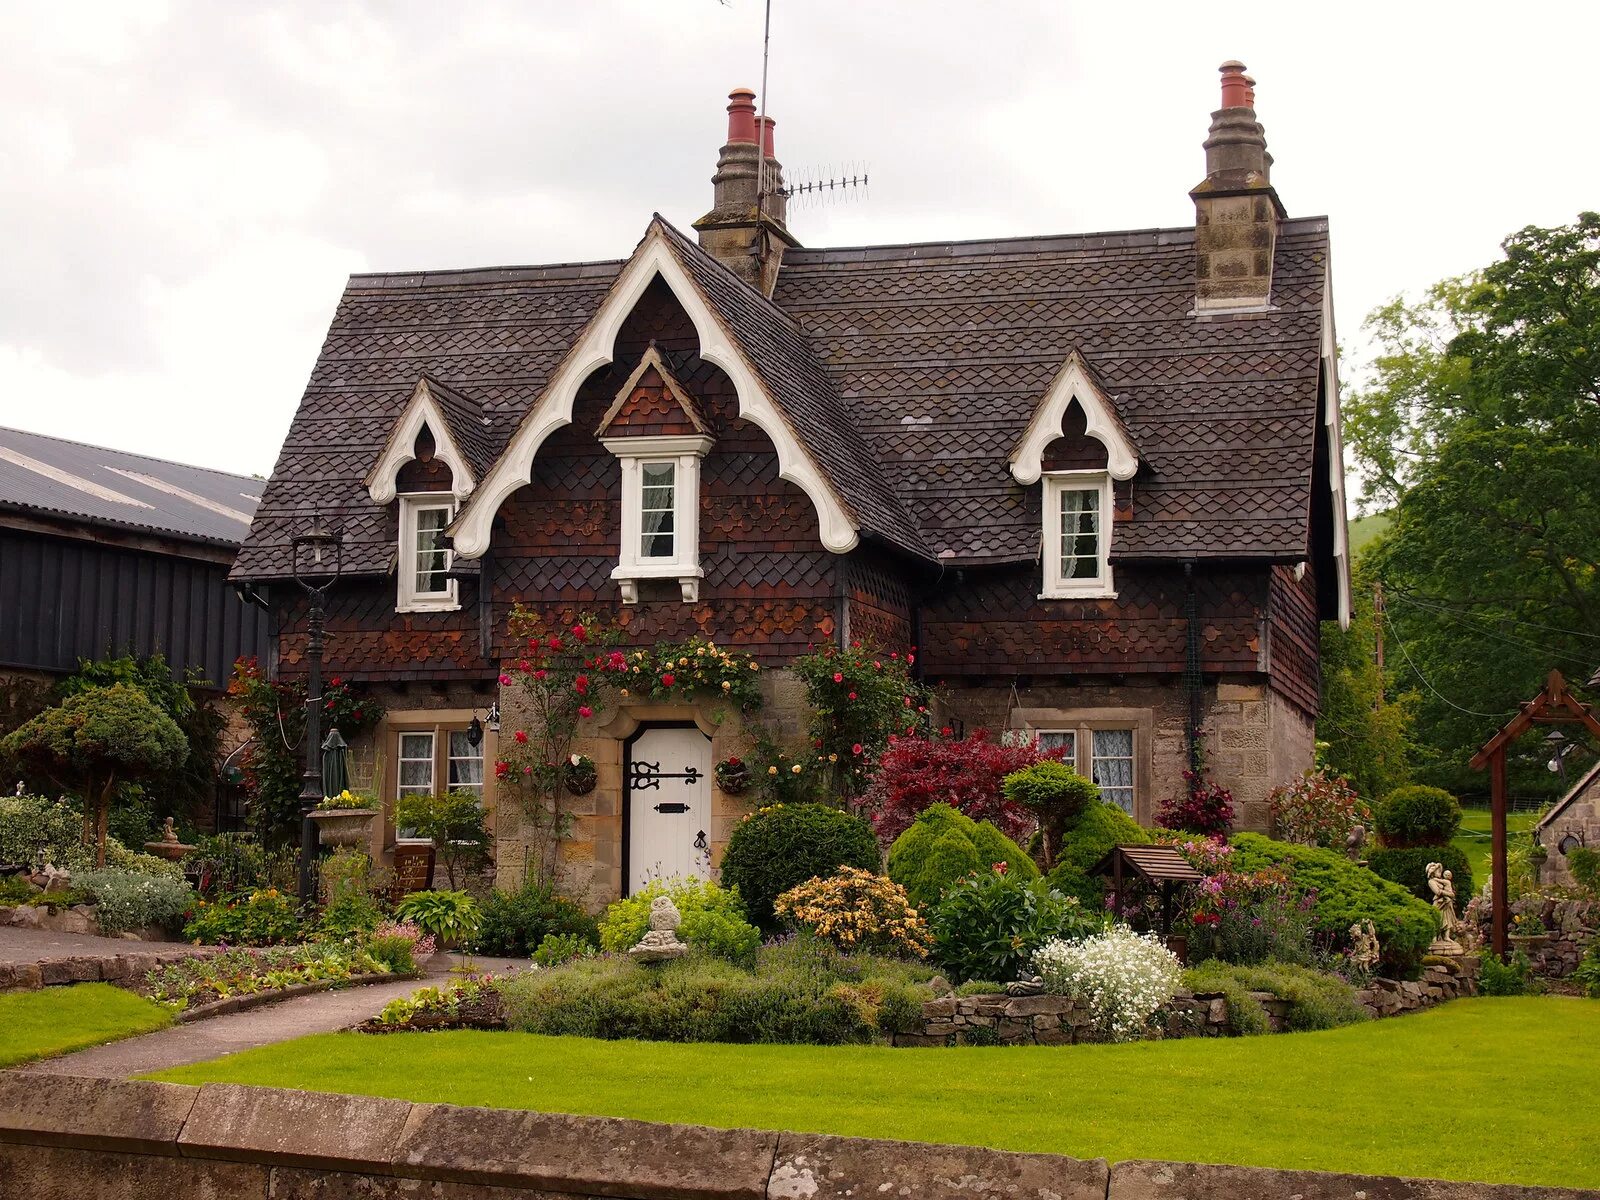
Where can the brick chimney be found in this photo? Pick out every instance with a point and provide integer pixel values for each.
(1236, 210)
(746, 231)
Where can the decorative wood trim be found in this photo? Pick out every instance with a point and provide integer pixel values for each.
(420, 410)
(553, 408)
(1073, 382)
(1331, 417)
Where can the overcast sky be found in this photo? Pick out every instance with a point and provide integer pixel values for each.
(187, 185)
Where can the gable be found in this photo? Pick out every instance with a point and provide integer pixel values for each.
(653, 404)
(1075, 388)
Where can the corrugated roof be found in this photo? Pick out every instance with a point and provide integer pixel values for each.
(96, 484)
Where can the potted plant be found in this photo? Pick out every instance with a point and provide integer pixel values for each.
(733, 775)
(1528, 932)
(346, 819)
(455, 823)
(581, 776)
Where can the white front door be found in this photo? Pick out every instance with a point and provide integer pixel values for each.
(668, 786)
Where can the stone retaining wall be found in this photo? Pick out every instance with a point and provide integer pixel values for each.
(1570, 925)
(76, 919)
(62, 1138)
(1058, 1021)
(123, 969)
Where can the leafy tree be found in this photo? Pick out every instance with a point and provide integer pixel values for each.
(95, 740)
(1480, 427)
(1360, 736)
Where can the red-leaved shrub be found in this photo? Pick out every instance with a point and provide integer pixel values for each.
(964, 773)
(1206, 807)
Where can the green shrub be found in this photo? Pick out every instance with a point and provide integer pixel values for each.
(1317, 999)
(1587, 976)
(558, 948)
(265, 917)
(513, 924)
(989, 924)
(1417, 815)
(1497, 978)
(237, 862)
(1089, 838)
(802, 991)
(1408, 866)
(398, 946)
(448, 916)
(1346, 892)
(782, 845)
(456, 824)
(1584, 863)
(1055, 794)
(943, 845)
(980, 987)
(713, 919)
(35, 830)
(128, 900)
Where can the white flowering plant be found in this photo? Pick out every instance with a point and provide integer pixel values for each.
(1124, 977)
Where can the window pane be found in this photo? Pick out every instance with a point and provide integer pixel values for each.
(1080, 533)
(416, 764)
(657, 509)
(1112, 765)
(1065, 739)
(432, 559)
(466, 764)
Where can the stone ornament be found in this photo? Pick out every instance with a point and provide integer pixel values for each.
(1364, 950)
(661, 944)
(1026, 985)
(1442, 887)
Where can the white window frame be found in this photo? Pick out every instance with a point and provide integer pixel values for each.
(1082, 758)
(685, 454)
(1055, 587)
(401, 787)
(451, 758)
(1132, 759)
(408, 598)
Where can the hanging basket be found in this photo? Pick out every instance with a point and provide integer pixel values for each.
(733, 776)
(581, 776)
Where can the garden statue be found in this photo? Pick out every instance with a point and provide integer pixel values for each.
(1026, 985)
(1355, 841)
(661, 943)
(1441, 885)
(1364, 950)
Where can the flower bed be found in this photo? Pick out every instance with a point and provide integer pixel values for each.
(246, 971)
(473, 1002)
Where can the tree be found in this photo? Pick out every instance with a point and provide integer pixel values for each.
(93, 741)
(1481, 427)
(1361, 736)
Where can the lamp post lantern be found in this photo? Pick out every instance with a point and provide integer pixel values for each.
(318, 554)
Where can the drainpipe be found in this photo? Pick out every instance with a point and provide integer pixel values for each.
(1192, 679)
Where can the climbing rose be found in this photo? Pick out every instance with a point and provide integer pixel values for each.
(668, 679)
(505, 681)
(578, 632)
(838, 677)
(585, 711)
(522, 737)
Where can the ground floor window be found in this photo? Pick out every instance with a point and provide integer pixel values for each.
(1103, 754)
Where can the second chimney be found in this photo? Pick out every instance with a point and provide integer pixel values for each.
(1236, 209)
(745, 228)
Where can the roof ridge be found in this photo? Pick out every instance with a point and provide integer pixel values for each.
(726, 270)
(169, 462)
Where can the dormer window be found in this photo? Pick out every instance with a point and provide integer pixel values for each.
(1077, 535)
(424, 559)
(660, 512)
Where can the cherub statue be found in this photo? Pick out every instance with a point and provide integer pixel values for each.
(1364, 949)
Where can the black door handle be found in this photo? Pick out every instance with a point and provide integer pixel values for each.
(700, 841)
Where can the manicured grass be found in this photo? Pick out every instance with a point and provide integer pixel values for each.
(1475, 842)
(58, 1019)
(1467, 1091)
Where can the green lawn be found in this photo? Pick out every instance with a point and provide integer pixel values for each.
(1467, 1091)
(58, 1019)
(1474, 842)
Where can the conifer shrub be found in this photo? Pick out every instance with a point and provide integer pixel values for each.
(782, 845)
(1087, 839)
(1408, 866)
(1418, 816)
(943, 845)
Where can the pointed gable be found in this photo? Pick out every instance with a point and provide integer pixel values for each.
(1074, 386)
(439, 417)
(653, 404)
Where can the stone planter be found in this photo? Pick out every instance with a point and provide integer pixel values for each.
(344, 826)
(1528, 943)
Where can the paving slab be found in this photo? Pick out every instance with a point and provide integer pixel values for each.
(40, 945)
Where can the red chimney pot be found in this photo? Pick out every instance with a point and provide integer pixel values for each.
(1235, 87)
(766, 124)
(1250, 91)
(742, 116)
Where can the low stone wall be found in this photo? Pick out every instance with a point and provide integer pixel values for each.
(1059, 1021)
(77, 919)
(1570, 928)
(123, 969)
(62, 1138)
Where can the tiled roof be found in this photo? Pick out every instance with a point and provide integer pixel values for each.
(56, 478)
(908, 372)
(467, 426)
(492, 335)
(941, 353)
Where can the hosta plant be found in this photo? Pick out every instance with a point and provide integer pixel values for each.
(449, 916)
(858, 910)
(1123, 977)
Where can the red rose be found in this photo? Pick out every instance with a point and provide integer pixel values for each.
(356, 715)
(522, 737)
(838, 677)
(668, 679)
(852, 695)
(554, 643)
(579, 633)
(946, 731)
(585, 711)
(540, 673)
(856, 749)
(733, 760)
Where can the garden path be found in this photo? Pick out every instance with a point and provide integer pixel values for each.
(319, 1012)
(39, 945)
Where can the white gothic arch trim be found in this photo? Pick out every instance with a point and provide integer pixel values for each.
(1073, 382)
(420, 410)
(595, 348)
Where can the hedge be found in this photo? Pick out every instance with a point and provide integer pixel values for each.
(782, 845)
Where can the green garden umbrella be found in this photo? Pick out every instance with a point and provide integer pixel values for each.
(335, 764)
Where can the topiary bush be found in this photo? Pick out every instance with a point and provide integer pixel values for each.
(1055, 794)
(1087, 840)
(943, 845)
(1419, 816)
(782, 845)
(1346, 892)
(712, 919)
(1408, 866)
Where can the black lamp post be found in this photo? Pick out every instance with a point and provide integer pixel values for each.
(318, 553)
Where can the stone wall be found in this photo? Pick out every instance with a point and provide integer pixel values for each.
(1571, 926)
(1059, 1021)
(62, 1138)
(125, 970)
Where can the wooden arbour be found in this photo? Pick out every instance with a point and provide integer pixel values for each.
(1554, 705)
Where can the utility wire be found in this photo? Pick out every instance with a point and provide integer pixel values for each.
(1412, 664)
(1458, 606)
(1469, 623)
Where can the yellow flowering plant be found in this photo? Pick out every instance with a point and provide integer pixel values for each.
(698, 668)
(857, 909)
